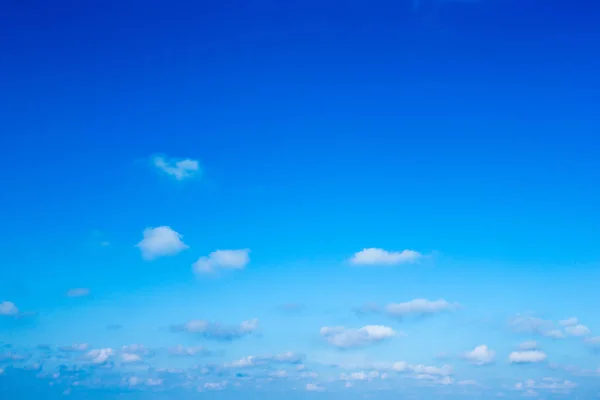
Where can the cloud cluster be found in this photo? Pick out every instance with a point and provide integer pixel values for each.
(178, 169)
(376, 256)
(222, 259)
(342, 337)
(161, 241)
(217, 331)
(547, 328)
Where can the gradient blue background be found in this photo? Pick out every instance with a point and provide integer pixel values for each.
(466, 130)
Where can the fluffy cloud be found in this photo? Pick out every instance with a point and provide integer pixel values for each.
(480, 355)
(8, 308)
(419, 306)
(375, 256)
(99, 356)
(528, 356)
(532, 324)
(222, 259)
(216, 331)
(160, 241)
(178, 169)
(346, 337)
(577, 330)
(78, 292)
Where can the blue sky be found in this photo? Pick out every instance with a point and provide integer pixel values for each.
(307, 199)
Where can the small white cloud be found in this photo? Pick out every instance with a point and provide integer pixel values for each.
(130, 358)
(215, 385)
(154, 382)
(78, 292)
(222, 259)
(419, 306)
(100, 356)
(313, 387)
(134, 381)
(481, 355)
(577, 330)
(160, 241)
(375, 256)
(342, 337)
(8, 308)
(569, 321)
(178, 169)
(529, 356)
(528, 345)
(75, 348)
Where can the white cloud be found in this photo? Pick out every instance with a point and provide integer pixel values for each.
(216, 331)
(342, 337)
(577, 330)
(569, 321)
(100, 356)
(552, 384)
(178, 169)
(593, 341)
(375, 256)
(76, 348)
(360, 376)
(8, 308)
(154, 382)
(529, 356)
(130, 358)
(528, 345)
(253, 361)
(160, 241)
(313, 387)
(78, 292)
(215, 385)
(481, 355)
(180, 350)
(223, 259)
(419, 306)
(421, 369)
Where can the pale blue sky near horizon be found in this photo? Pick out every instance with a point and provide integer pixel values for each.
(369, 199)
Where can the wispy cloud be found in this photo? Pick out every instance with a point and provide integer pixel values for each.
(179, 169)
(217, 331)
(222, 259)
(342, 337)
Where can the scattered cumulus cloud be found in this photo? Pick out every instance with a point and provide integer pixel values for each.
(215, 385)
(180, 169)
(376, 256)
(255, 361)
(222, 259)
(8, 308)
(161, 241)
(480, 355)
(527, 356)
(342, 337)
(78, 292)
(421, 369)
(217, 331)
(180, 350)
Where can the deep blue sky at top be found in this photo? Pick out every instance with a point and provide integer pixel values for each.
(470, 129)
